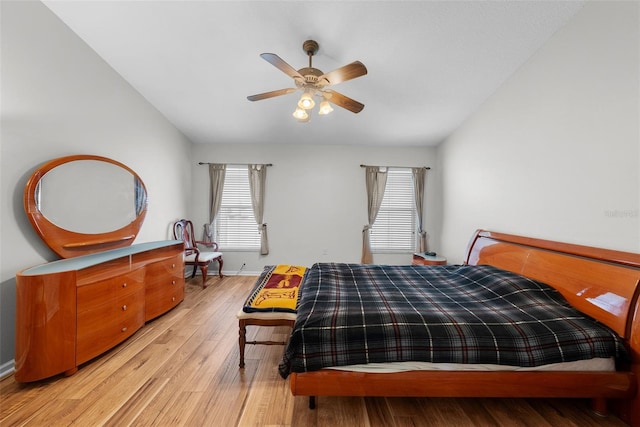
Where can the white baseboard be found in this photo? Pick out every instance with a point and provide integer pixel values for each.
(7, 369)
(248, 273)
(225, 273)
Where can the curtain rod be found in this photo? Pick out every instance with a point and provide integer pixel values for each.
(241, 164)
(395, 167)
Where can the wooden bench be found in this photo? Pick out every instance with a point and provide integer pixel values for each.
(261, 319)
(272, 302)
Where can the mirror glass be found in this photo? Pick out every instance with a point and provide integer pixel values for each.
(83, 204)
(89, 196)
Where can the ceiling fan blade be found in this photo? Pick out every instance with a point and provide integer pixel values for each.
(271, 94)
(344, 101)
(279, 63)
(342, 74)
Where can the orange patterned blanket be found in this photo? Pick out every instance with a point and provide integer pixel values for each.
(276, 289)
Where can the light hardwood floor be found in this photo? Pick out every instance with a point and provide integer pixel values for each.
(182, 369)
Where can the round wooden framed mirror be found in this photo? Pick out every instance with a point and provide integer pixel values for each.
(84, 204)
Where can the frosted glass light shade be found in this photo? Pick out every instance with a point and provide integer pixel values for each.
(306, 101)
(300, 114)
(325, 108)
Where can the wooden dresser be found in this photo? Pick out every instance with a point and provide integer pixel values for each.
(72, 310)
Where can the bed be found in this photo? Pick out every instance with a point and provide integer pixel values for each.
(602, 284)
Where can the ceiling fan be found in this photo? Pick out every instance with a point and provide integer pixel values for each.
(313, 82)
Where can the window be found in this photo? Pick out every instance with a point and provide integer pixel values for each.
(394, 229)
(236, 227)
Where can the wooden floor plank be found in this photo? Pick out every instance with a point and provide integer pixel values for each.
(182, 369)
(378, 413)
(477, 412)
(442, 411)
(128, 413)
(302, 415)
(341, 411)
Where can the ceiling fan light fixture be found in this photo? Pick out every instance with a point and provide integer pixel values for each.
(300, 114)
(325, 108)
(306, 101)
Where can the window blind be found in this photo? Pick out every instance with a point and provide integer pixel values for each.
(394, 228)
(236, 227)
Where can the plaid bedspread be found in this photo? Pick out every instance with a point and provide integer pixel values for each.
(357, 313)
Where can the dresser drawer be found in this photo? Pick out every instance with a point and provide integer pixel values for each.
(109, 311)
(95, 294)
(109, 324)
(159, 272)
(164, 286)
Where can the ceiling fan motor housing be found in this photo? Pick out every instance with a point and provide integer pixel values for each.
(310, 75)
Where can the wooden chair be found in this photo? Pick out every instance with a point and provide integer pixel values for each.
(183, 230)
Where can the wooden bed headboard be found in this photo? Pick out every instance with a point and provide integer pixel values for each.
(602, 283)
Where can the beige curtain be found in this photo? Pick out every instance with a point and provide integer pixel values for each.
(216, 185)
(257, 180)
(376, 181)
(419, 175)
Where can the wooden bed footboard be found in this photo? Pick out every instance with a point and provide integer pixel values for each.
(621, 387)
(602, 283)
(596, 385)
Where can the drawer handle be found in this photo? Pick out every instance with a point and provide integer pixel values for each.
(173, 266)
(173, 282)
(173, 299)
(124, 329)
(124, 307)
(124, 285)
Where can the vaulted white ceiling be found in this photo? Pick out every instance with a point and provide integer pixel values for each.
(430, 63)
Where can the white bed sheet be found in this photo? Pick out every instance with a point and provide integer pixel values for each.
(596, 364)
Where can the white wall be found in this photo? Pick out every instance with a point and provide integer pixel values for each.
(555, 153)
(59, 98)
(315, 205)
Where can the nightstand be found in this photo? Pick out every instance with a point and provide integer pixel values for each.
(422, 259)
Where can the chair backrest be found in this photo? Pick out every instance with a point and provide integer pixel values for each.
(183, 230)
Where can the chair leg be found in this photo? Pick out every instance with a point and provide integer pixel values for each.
(242, 340)
(204, 269)
(193, 273)
(220, 267)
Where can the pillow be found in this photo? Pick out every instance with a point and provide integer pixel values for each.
(276, 289)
